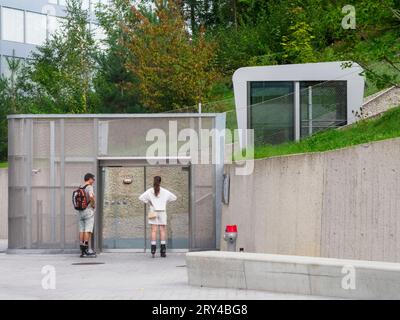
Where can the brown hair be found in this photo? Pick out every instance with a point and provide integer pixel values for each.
(156, 185)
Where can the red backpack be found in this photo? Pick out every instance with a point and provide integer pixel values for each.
(79, 199)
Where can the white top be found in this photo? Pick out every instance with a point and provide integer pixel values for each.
(158, 203)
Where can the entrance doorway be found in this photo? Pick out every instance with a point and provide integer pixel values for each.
(123, 217)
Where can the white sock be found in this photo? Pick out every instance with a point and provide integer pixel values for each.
(153, 243)
(162, 241)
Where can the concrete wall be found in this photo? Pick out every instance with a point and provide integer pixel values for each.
(3, 203)
(338, 204)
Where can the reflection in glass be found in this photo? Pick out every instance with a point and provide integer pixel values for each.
(12, 24)
(322, 105)
(36, 32)
(271, 111)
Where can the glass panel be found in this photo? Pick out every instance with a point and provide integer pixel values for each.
(12, 25)
(176, 180)
(54, 24)
(271, 113)
(85, 4)
(123, 213)
(323, 105)
(36, 28)
(99, 35)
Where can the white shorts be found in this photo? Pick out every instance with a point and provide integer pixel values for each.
(161, 218)
(86, 220)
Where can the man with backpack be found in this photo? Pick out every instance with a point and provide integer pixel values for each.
(84, 201)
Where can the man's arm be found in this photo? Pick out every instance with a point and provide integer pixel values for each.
(92, 199)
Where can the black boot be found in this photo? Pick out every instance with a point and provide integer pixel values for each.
(153, 250)
(163, 251)
(83, 250)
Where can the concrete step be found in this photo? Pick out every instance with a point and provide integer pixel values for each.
(341, 278)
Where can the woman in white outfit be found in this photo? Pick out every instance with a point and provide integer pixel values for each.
(157, 197)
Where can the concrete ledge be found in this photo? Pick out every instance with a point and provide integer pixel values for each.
(294, 274)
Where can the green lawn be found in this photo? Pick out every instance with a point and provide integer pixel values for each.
(384, 127)
(3, 165)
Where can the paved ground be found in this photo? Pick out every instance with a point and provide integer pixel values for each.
(122, 276)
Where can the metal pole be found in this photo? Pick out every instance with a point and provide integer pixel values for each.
(297, 111)
(52, 184)
(62, 183)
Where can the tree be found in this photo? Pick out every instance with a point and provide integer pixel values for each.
(61, 71)
(173, 69)
(297, 45)
(112, 75)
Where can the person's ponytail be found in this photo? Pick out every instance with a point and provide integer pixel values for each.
(156, 185)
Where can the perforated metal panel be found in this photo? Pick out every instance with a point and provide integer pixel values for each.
(49, 155)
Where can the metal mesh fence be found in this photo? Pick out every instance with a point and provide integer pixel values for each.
(49, 156)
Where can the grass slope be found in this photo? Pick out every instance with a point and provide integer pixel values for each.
(384, 127)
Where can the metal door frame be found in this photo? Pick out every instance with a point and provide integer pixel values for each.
(126, 162)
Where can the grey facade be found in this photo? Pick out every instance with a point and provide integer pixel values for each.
(25, 24)
(47, 161)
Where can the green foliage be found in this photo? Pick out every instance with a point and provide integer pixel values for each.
(297, 45)
(61, 71)
(112, 75)
(173, 69)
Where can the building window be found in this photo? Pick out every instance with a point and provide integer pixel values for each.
(36, 30)
(12, 24)
(85, 4)
(323, 105)
(99, 35)
(54, 24)
(271, 111)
